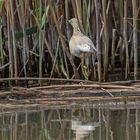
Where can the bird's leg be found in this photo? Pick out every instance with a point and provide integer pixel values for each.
(85, 72)
(82, 64)
(84, 68)
(93, 63)
(87, 62)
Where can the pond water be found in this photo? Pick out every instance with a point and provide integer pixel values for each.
(71, 122)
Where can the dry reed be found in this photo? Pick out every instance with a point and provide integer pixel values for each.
(34, 37)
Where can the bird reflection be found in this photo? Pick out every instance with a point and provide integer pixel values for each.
(83, 130)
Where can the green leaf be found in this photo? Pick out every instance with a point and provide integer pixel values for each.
(44, 16)
(1, 3)
(29, 31)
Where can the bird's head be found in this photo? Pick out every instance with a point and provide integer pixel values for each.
(74, 23)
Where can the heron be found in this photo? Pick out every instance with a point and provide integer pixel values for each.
(81, 46)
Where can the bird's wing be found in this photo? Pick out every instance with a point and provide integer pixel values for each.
(86, 45)
(84, 48)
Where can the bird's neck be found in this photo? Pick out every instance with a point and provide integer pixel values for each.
(76, 31)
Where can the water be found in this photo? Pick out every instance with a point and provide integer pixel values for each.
(112, 121)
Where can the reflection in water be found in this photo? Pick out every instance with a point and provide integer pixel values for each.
(83, 129)
(70, 123)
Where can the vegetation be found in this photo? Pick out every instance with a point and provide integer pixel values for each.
(34, 36)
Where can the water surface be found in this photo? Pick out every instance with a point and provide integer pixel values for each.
(71, 122)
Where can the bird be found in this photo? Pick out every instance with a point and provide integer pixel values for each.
(81, 45)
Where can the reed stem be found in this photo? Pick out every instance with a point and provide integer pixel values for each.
(134, 6)
(106, 38)
(98, 45)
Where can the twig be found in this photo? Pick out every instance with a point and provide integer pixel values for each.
(86, 86)
(107, 92)
(2, 67)
(47, 79)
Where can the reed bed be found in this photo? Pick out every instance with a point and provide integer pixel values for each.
(34, 36)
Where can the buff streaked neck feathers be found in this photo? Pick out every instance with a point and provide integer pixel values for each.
(76, 29)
